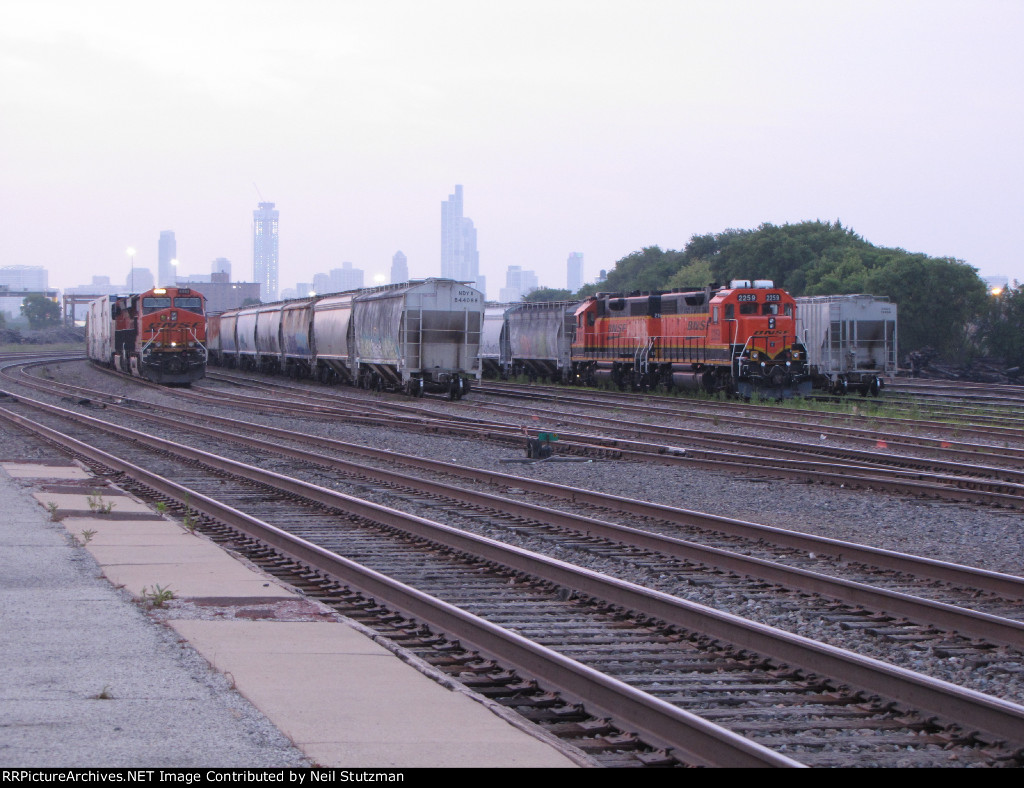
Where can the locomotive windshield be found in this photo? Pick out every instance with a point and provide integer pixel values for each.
(152, 304)
(191, 304)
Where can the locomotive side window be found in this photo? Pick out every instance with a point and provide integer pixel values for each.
(714, 314)
(789, 310)
(152, 304)
(748, 308)
(730, 312)
(770, 309)
(190, 304)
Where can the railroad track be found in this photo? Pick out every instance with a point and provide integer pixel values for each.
(834, 465)
(838, 465)
(667, 653)
(861, 621)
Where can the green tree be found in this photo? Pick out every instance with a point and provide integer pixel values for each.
(40, 311)
(1001, 330)
(695, 274)
(549, 294)
(937, 301)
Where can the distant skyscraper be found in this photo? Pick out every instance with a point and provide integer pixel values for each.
(167, 250)
(574, 272)
(139, 280)
(265, 249)
(322, 283)
(459, 257)
(221, 266)
(517, 284)
(346, 278)
(399, 268)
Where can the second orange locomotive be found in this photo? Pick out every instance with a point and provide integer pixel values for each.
(739, 339)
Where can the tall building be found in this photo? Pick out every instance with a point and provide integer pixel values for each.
(517, 284)
(166, 250)
(346, 278)
(221, 266)
(460, 259)
(399, 268)
(574, 272)
(139, 280)
(20, 279)
(265, 250)
(322, 284)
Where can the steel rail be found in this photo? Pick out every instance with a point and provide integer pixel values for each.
(997, 719)
(949, 487)
(997, 583)
(699, 741)
(982, 625)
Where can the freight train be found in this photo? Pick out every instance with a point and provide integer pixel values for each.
(159, 335)
(739, 339)
(415, 337)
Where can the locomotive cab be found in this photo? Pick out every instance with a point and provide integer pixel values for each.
(757, 322)
(171, 335)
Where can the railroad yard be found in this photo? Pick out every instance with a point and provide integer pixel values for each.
(683, 582)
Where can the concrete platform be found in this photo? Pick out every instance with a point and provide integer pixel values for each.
(343, 699)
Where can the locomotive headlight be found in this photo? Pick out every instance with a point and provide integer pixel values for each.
(174, 344)
(763, 365)
(788, 364)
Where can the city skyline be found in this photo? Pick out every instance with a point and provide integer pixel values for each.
(625, 128)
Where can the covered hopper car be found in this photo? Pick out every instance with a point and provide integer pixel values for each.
(421, 336)
(850, 341)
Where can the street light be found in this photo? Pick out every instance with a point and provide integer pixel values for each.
(130, 251)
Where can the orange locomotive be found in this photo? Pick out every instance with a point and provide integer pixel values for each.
(159, 335)
(740, 340)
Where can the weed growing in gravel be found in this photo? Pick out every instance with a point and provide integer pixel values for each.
(54, 516)
(87, 535)
(161, 506)
(158, 596)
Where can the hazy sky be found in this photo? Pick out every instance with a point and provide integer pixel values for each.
(598, 127)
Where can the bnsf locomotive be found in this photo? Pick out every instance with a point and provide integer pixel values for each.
(159, 335)
(739, 339)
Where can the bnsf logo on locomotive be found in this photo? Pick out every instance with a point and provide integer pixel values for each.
(696, 325)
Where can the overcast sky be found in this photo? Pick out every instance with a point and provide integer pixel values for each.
(598, 127)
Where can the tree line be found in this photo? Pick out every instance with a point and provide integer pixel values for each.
(941, 301)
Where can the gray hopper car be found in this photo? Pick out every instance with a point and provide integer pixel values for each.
(537, 340)
(414, 336)
(850, 341)
(491, 348)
